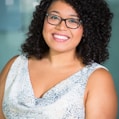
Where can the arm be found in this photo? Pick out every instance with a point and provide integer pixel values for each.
(101, 100)
(3, 76)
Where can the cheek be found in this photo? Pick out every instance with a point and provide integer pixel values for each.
(45, 27)
(78, 34)
(45, 30)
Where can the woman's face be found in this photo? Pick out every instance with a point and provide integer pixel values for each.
(59, 37)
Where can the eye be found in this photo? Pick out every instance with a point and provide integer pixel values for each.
(54, 17)
(72, 20)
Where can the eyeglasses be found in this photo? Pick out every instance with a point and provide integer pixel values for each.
(71, 23)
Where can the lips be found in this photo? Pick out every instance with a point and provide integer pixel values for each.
(60, 37)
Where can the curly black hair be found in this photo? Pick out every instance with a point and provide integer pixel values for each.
(96, 20)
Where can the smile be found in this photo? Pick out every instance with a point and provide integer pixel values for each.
(60, 37)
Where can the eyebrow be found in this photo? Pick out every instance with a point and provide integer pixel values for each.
(73, 15)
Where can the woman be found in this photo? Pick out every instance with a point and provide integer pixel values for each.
(60, 75)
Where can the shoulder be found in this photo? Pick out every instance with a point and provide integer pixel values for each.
(100, 76)
(3, 76)
(101, 95)
(5, 70)
(100, 80)
(94, 67)
(16, 60)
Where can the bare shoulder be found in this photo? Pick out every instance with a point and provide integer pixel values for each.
(101, 99)
(5, 70)
(3, 76)
(101, 76)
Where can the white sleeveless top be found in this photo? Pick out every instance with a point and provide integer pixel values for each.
(63, 101)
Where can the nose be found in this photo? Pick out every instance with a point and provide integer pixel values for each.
(62, 25)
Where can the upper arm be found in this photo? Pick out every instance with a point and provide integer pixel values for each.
(3, 76)
(101, 101)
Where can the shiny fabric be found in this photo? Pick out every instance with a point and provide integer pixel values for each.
(63, 101)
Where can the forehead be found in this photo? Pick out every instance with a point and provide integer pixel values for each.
(62, 8)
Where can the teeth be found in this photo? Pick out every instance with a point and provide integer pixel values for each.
(60, 37)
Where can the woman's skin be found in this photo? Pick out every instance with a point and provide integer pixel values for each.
(61, 61)
(100, 96)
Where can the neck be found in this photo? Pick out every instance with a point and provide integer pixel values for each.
(61, 59)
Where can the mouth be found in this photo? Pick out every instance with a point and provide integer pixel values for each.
(60, 37)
